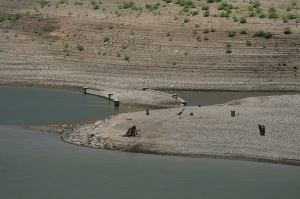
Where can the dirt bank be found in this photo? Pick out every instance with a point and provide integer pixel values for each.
(73, 44)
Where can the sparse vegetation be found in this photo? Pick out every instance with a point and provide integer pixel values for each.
(228, 49)
(243, 20)
(287, 31)
(266, 35)
(243, 32)
(44, 3)
(206, 13)
(206, 30)
(231, 34)
(248, 43)
(126, 58)
(14, 17)
(80, 47)
(272, 13)
(128, 5)
(152, 7)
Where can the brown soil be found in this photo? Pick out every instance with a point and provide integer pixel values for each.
(163, 53)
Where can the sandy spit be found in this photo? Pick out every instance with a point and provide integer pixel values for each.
(207, 132)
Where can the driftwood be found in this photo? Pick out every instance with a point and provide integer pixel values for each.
(262, 129)
(180, 112)
(131, 132)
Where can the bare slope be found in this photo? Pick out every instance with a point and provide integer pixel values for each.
(73, 44)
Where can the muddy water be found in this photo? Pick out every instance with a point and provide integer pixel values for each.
(35, 165)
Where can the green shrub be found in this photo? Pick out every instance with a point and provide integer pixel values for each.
(287, 31)
(195, 12)
(272, 13)
(243, 32)
(224, 14)
(78, 2)
(248, 43)
(14, 17)
(96, 7)
(243, 20)
(80, 47)
(291, 16)
(206, 30)
(228, 48)
(262, 15)
(2, 18)
(126, 58)
(231, 34)
(44, 3)
(128, 5)
(260, 33)
(152, 7)
(206, 13)
(205, 7)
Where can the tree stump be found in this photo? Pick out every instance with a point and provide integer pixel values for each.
(131, 132)
(262, 129)
(232, 113)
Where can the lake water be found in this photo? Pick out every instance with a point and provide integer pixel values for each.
(35, 165)
(207, 98)
(31, 105)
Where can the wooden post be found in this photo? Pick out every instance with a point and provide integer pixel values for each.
(109, 96)
(147, 112)
(232, 113)
(84, 90)
(117, 103)
(262, 129)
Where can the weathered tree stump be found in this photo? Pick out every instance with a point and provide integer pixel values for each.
(131, 132)
(262, 129)
(232, 113)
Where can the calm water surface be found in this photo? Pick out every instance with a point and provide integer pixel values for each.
(30, 105)
(35, 165)
(207, 98)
